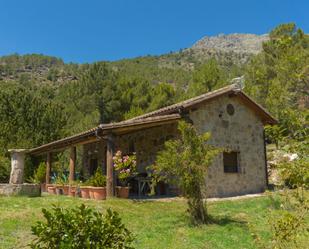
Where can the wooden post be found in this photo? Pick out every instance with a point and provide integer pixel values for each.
(72, 163)
(109, 166)
(48, 167)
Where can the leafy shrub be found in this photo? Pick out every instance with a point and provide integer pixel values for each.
(39, 174)
(4, 169)
(287, 228)
(98, 180)
(61, 179)
(295, 173)
(81, 228)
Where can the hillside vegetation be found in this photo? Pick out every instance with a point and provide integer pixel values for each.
(43, 99)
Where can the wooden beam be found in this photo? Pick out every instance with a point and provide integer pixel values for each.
(48, 167)
(110, 185)
(64, 146)
(72, 163)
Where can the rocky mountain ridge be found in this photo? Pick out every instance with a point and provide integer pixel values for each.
(237, 43)
(228, 50)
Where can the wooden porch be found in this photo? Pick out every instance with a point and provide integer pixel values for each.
(107, 135)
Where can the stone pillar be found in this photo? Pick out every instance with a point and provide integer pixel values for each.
(110, 188)
(72, 164)
(17, 165)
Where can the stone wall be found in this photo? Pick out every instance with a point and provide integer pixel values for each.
(242, 132)
(94, 151)
(146, 143)
(32, 190)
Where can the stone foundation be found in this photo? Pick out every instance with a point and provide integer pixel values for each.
(32, 190)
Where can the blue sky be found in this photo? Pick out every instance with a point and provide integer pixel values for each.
(93, 30)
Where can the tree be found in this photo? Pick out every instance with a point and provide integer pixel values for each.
(278, 78)
(184, 162)
(163, 94)
(27, 118)
(206, 78)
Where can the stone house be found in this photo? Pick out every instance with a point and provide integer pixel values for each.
(235, 121)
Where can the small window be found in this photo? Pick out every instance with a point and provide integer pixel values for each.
(230, 162)
(230, 109)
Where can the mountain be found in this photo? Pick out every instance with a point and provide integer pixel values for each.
(231, 51)
(237, 43)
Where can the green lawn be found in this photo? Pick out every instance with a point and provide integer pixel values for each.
(155, 224)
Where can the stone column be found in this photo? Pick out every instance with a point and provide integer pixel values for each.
(17, 165)
(72, 164)
(48, 167)
(110, 188)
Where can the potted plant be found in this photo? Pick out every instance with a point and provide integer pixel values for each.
(125, 167)
(61, 185)
(98, 182)
(73, 188)
(39, 177)
(84, 189)
(51, 189)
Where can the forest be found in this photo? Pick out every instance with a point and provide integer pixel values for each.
(43, 99)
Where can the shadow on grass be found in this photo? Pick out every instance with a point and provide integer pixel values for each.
(225, 220)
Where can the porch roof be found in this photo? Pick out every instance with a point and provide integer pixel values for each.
(99, 132)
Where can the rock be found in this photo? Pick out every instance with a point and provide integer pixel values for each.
(237, 43)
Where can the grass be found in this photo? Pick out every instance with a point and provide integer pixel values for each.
(155, 224)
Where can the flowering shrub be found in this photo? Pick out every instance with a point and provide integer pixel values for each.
(125, 166)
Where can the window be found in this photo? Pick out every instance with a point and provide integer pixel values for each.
(230, 162)
(230, 109)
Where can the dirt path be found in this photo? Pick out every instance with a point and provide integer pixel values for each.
(170, 199)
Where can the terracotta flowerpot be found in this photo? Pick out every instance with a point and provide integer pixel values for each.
(51, 190)
(99, 193)
(91, 193)
(84, 191)
(65, 189)
(122, 192)
(59, 190)
(49, 185)
(72, 191)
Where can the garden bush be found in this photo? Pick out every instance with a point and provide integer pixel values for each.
(98, 180)
(81, 228)
(4, 169)
(39, 174)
